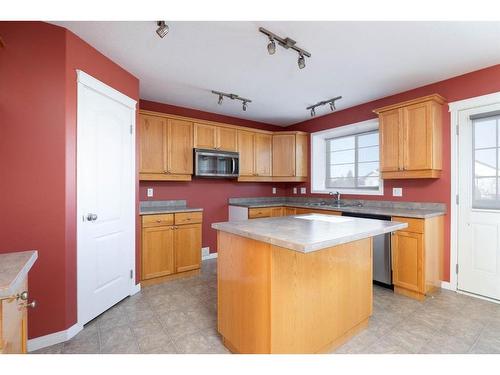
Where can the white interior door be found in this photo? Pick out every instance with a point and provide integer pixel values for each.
(479, 201)
(105, 197)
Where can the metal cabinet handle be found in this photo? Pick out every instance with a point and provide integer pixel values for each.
(91, 217)
(158, 221)
(31, 305)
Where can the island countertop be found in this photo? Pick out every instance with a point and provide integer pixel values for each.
(14, 268)
(310, 232)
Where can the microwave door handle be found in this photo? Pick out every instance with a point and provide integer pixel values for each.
(233, 162)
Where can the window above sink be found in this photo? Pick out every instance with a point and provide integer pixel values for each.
(346, 159)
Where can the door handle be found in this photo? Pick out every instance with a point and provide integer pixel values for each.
(91, 217)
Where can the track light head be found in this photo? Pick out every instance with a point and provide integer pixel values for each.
(162, 29)
(332, 106)
(313, 112)
(220, 99)
(271, 47)
(244, 106)
(302, 61)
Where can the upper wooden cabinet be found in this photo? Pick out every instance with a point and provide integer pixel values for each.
(255, 151)
(411, 138)
(166, 145)
(290, 156)
(215, 137)
(165, 148)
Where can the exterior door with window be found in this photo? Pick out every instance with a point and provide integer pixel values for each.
(479, 204)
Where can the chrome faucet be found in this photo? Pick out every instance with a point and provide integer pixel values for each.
(336, 199)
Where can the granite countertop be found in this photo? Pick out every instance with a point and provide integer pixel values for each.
(422, 213)
(165, 207)
(310, 232)
(14, 268)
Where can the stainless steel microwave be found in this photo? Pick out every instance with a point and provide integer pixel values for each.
(215, 163)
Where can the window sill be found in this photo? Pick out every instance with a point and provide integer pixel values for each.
(349, 192)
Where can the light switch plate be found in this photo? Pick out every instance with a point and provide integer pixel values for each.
(397, 192)
(274, 190)
(150, 192)
(302, 190)
(295, 190)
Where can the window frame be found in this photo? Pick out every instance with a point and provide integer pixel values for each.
(319, 159)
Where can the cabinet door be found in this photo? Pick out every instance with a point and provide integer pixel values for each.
(180, 147)
(152, 150)
(227, 139)
(407, 260)
(246, 150)
(263, 154)
(254, 213)
(284, 155)
(157, 252)
(13, 327)
(391, 159)
(417, 137)
(204, 136)
(187, 245)
(276, 211)
(301, 143)
(287, 211)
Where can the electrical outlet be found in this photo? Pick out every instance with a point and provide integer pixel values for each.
(274, 190)
(295, 190)
(397, 192)
(150, 192)
(302, 190)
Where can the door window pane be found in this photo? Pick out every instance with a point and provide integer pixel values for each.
(485, 163)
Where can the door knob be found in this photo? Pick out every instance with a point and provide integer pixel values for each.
(91, 217)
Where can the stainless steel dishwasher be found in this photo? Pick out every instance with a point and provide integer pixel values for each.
(382, 272)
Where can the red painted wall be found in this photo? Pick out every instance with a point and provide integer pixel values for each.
(38, 157)
(210, 194)
(32, 162)
(469, 85)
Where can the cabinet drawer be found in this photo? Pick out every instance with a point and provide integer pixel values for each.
(157, 220)
(259, 212)
(188, 218)
(414, 225)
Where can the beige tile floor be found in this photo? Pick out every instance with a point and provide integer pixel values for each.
(180, 317)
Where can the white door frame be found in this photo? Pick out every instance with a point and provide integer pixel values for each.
(84, 79)
(455, 108)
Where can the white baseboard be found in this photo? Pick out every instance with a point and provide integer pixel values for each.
(209, 256)
(447, 285)
(53, 338)
(135, 289)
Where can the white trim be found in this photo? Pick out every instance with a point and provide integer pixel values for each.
(318, 154)
(110, 92)
(446, 285)
(54, 338)
(478, 296)
(135, 289)
(454, 109)
(210, 256)
(100, 87)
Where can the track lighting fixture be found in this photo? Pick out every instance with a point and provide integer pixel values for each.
(302, 61)
(271, 47)
(286, 43)
(331, 102)
(162, 29)
(232, 97)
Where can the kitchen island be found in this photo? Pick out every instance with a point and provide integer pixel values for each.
(295, 284)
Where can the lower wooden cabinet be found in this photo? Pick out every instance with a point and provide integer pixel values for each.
(254, 213)
(13, 324)
(171, 243)
(417, 256)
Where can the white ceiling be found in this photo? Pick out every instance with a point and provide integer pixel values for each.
(361, 61)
